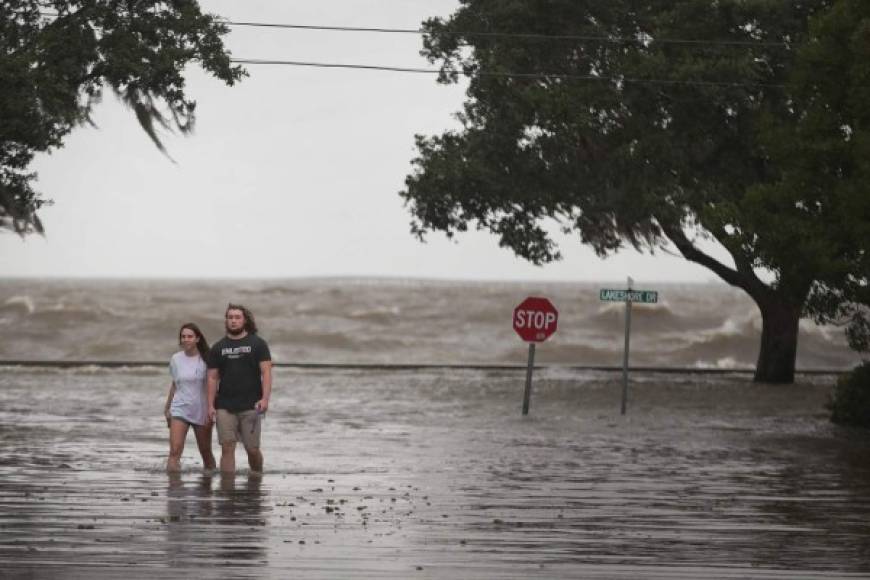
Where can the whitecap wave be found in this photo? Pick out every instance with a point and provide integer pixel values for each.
(21, 302)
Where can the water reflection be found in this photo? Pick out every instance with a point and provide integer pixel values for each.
(216, 520)
(821, 494)
(766, 499)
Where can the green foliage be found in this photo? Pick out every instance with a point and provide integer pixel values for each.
(850, 402)
(660, 124)
(59, 55)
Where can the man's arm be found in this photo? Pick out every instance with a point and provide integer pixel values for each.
(266, 375)
(213, 378)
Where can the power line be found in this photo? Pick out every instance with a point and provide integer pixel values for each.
(525, 35)
(258, 61)
(522, 35)
(540, 76)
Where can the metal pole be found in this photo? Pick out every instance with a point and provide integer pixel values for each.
(625, 353)
(528, 392)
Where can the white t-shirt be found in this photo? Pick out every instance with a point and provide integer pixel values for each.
(189, 402)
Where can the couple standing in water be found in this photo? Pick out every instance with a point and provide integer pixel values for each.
(228, 384)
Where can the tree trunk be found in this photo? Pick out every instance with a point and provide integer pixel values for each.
(779, 335)
(781, 306)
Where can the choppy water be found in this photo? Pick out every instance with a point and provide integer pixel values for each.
(436, 475)
(394, 321)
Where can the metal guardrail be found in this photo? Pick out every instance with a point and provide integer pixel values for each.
(419, 366)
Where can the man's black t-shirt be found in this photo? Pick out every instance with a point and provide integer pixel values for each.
(238, 362)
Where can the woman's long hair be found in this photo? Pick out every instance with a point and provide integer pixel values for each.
(201, 344)
(250, 323)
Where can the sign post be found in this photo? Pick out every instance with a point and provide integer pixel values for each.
(527, 392)
(628, 296)
(625, 350)
(535, 320)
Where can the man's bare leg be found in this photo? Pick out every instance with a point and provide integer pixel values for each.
(203, 441)
(177, 435)
(255, 459)
(228, 458)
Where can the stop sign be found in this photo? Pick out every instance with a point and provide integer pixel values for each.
(535, 319)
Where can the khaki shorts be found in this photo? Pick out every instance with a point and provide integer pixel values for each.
(241, 426)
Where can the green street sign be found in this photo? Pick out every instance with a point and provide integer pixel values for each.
(636, 296)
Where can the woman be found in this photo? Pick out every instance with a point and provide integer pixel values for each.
(186, 405)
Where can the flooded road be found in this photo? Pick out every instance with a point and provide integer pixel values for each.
(435, 474)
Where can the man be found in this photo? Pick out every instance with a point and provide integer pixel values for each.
(239, 387)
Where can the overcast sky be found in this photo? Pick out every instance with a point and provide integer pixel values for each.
(294, 172)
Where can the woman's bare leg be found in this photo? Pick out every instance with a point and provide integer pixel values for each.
(177, 435)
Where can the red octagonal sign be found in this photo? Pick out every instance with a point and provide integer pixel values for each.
(535, 319)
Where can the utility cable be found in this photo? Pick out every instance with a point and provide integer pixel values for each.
(524, 35)
(541, 76)
(644, 38)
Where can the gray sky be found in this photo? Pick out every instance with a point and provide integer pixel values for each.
(293, 172)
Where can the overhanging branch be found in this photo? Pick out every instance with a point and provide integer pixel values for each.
(742, 277)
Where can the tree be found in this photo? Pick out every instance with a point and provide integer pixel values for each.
(56, 57)
(660, 125)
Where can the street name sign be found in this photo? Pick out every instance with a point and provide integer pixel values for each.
(636, 296)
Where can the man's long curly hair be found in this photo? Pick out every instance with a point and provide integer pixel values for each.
(250, 322)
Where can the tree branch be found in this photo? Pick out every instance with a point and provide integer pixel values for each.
(743, 277)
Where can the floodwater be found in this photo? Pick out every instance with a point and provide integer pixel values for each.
(435, 474)
(388, 321)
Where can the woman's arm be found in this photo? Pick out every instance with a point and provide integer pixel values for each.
(169, 403)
